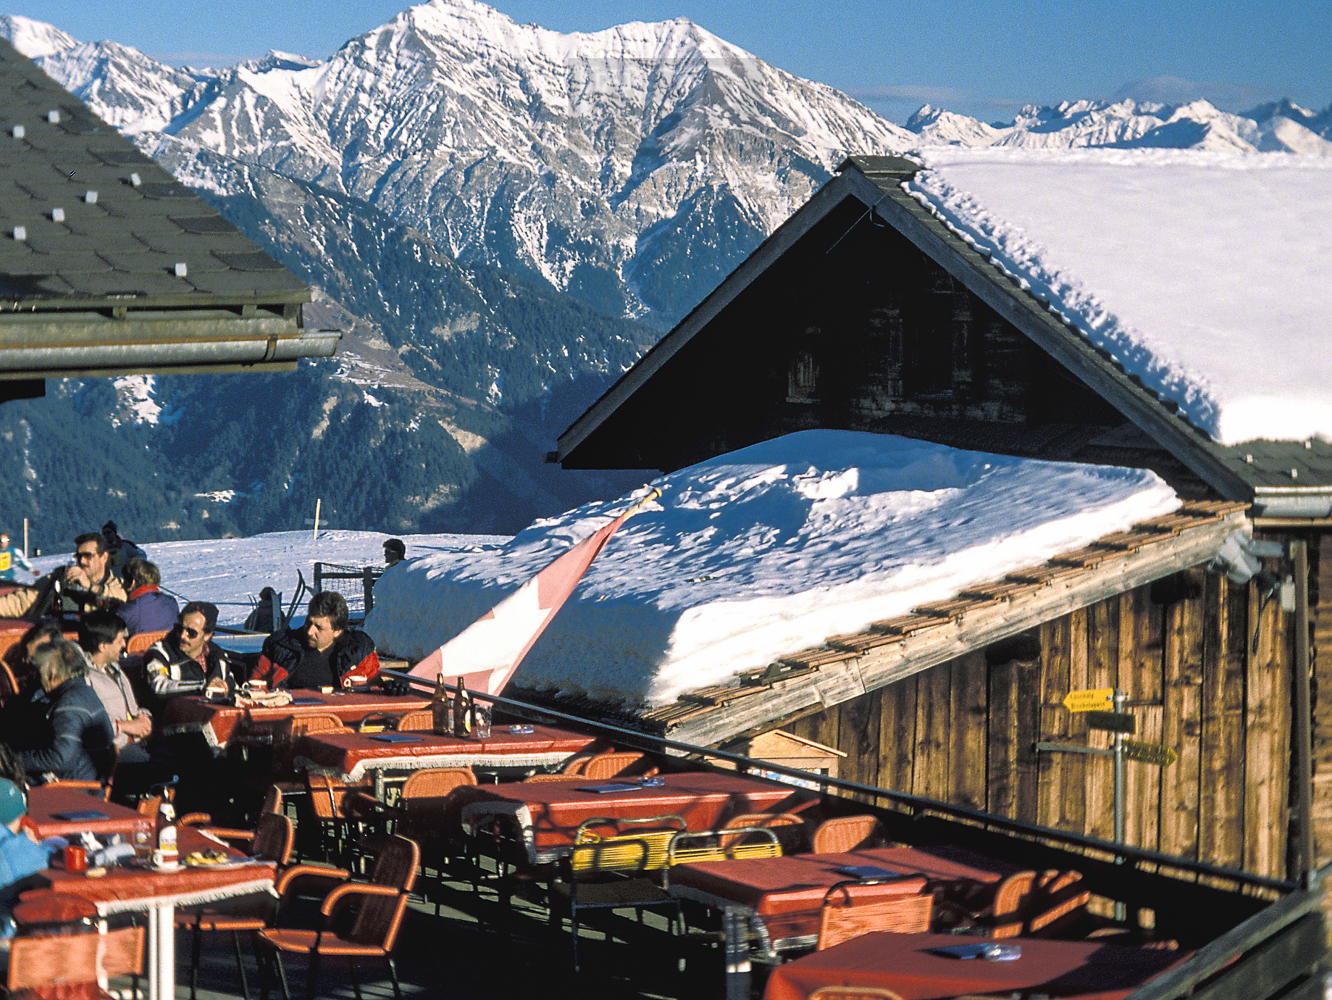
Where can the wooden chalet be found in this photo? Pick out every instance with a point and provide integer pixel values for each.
(110, 266)
(864, 312)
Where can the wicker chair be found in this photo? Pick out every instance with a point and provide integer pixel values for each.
(846, 833)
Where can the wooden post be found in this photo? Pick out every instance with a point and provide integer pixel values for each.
(25, 538)
(368, 585)
(318, 502)
(1301, 731)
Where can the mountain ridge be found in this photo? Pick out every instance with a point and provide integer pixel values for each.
(502, 218)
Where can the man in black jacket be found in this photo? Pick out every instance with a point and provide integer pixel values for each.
(80, 733)
(324, 652)
(185, 661)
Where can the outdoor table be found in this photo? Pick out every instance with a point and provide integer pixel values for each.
(548, 813)
(351, 755)
(158, 893)
(55, 812)
(221, 723)
(907, 965)
(786, 893)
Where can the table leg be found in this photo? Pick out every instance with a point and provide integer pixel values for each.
(735, 927)
(162, 952)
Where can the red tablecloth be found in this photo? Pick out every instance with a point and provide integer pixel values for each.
(46, 804)
(124, 889)
(219, 723)
(905, 964)
(547, 813)
(352, 754)
(799, 881)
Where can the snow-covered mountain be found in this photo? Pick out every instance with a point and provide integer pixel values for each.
(1126, 124)
(502, 218)
(599, 164)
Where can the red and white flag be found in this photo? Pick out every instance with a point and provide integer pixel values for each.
(488, 651)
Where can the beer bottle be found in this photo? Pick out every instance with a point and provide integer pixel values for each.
(461, 699)
(441, 718)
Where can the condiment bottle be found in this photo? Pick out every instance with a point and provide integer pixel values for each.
(167, 854)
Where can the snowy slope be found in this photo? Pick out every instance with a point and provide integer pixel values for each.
(1204, 274)
(764, 551)
(230, 572)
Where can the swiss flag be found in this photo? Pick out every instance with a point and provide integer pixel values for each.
(488, 651)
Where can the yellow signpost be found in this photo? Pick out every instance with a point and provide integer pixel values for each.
(1089, 701)
(1150, 753)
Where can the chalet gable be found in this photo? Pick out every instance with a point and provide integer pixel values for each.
(863, 311)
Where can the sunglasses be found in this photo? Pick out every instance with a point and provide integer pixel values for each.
(191, 633)
(80, 556)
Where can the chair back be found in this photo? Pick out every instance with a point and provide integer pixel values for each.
(396, 863)
(379, 917)
(416, 722)
(854, 993)
(79, 958)
(95, 787)
(635, 844)
(788, 828)
(436, 782)
(141, 641)
(9, 685)
(315, 722)
(272, 800)
(274, 838)
(710, 845)
(846, 833)
(1060, 898)
(1005, 913)
(326, 796)
(615, 765)
(533, 779)
(843, 918)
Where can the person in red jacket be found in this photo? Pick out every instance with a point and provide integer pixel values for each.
(324, 652)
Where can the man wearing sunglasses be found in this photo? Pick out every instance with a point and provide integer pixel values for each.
(185, 661)
(87, 585)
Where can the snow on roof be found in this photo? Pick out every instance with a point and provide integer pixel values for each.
(764, 551)
(1204, 274)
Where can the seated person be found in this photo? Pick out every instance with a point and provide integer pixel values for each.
(22, 720)
(186, 661)
(78, 744)
(322, 653)
(19, 657)
(148, 609)
(20, 855)
(102, 640)
(87, 585)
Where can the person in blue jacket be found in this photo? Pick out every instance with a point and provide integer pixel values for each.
(20, 855)
(148, 609)
(12, 561)
(79, 736)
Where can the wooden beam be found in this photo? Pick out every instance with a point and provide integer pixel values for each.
(875, 668)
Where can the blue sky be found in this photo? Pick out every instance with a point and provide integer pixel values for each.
(979, 57)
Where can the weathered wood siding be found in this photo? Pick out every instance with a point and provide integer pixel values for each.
(964, 732)
(1320, 603)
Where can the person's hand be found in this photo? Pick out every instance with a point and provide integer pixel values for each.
(393, 685)
(77, 576)
(140, 727)
(216, 687)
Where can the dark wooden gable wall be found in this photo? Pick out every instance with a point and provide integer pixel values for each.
(855, 328)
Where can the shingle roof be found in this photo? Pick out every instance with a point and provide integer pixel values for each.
(97, 240)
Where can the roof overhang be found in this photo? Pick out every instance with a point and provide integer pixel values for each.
(76, 344)
(846, 667)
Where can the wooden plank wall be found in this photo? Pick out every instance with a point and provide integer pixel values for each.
(964, 732)
(1320, 601)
